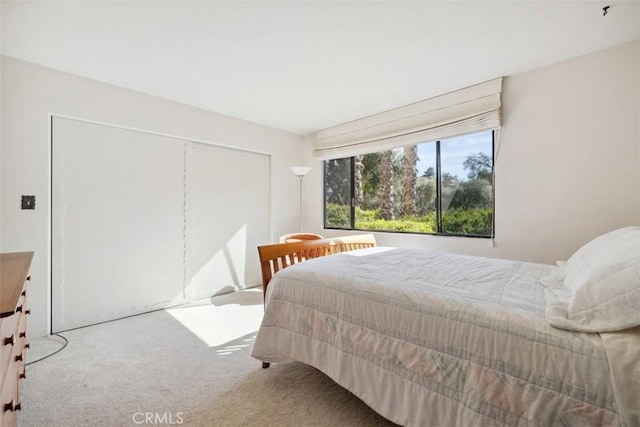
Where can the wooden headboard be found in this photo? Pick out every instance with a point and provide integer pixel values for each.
(275, 257)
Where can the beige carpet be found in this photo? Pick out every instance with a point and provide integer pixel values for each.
(187, 366)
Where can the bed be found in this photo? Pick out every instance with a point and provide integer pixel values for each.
(434, 339)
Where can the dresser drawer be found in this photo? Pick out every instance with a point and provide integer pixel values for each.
(8, 339)
(21, 330)
(8, 419)
(9, 397)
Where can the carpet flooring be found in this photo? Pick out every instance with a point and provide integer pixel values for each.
(189, 365)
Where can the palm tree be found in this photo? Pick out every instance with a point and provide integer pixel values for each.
(409, 176)
(358, 166)
(386, 185)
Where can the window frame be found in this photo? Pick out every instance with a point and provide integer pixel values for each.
(438, 202)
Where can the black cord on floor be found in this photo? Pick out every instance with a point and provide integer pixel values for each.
(66, 341)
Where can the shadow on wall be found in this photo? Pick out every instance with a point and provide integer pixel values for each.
(230, 267)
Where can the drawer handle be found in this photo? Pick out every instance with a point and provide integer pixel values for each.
(24, 293)
(11, 406)
(27, 345)
(19, 358)
(22, 334)
(29, 278)
(10, 341)
(23, 375)
(27, 311)
(19, 309)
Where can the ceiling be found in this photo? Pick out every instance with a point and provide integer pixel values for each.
(302, 66)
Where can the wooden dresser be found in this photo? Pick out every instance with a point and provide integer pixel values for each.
(14, 275)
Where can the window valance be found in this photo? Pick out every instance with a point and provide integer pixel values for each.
(472, 109)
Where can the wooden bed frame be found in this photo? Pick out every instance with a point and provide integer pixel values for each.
(278, 256)
(275, 257)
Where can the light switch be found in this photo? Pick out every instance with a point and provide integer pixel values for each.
(28, 202)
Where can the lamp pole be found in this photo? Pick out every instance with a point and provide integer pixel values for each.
(300, 177)
(300, 172)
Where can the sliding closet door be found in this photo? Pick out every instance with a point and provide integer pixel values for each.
(118, 219)
(142, 222)
(228, 218)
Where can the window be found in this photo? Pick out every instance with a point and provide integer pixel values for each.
(443, 187)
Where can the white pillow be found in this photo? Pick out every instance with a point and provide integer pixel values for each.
(603, 278)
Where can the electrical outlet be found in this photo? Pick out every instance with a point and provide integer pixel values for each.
(28, 202)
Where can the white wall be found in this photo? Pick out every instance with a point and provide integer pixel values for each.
(30, 93)
(568, 164)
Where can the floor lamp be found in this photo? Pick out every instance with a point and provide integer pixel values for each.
(301, 171)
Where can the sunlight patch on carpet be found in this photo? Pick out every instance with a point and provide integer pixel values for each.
(216, 325)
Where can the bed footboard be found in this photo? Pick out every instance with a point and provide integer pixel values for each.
(275, 257)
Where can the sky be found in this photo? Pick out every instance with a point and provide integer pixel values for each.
(453, 153)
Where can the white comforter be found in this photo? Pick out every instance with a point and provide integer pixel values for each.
(431, 339)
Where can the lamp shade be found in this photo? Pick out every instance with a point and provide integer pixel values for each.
(300, 170)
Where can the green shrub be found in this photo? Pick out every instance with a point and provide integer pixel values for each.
(468, 221)
(338, 216)
(367, 215)
(460, 221)
(370, 220)
(401, 225)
